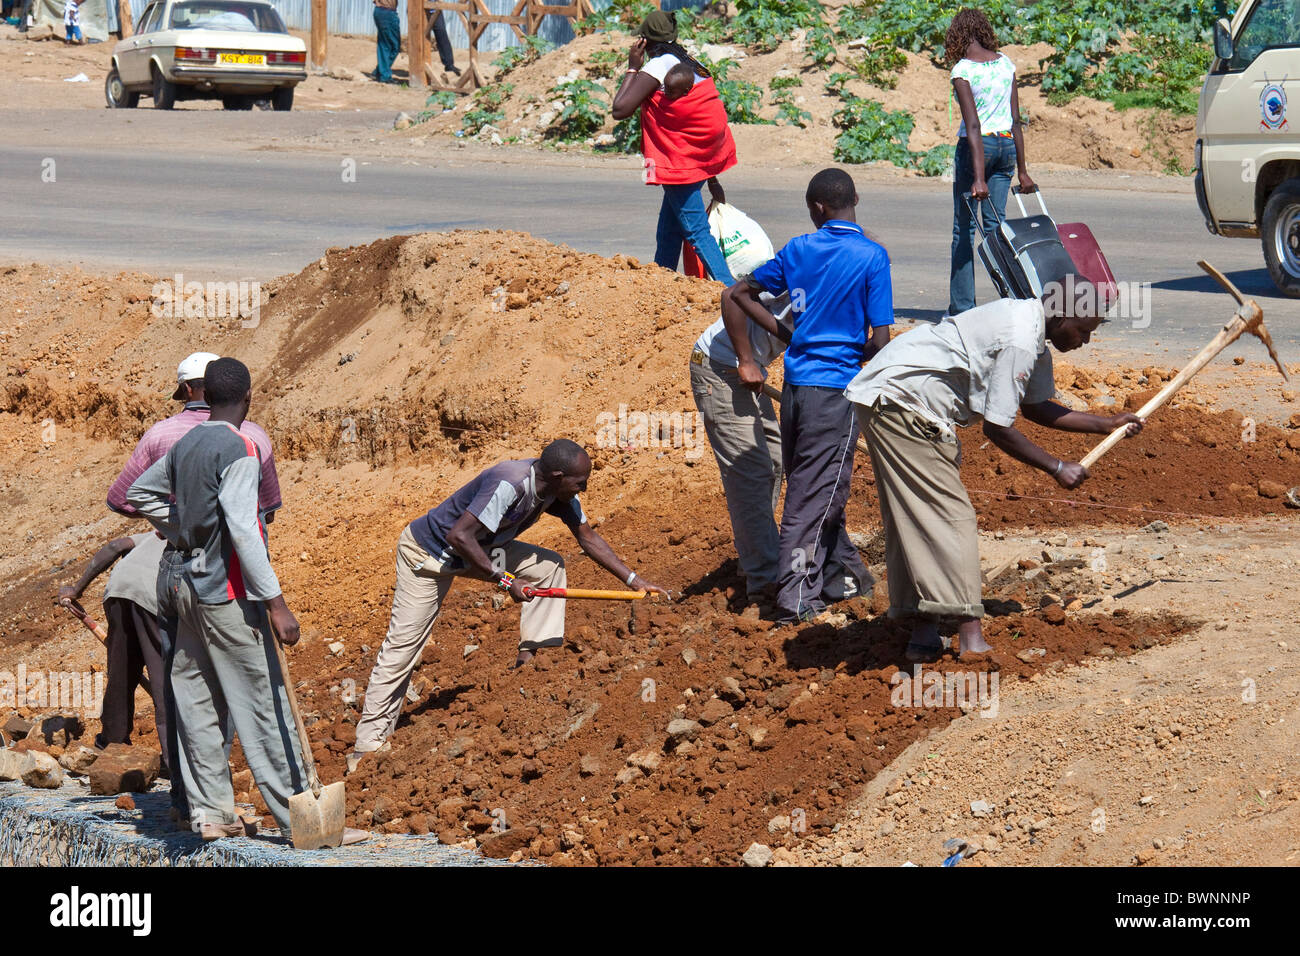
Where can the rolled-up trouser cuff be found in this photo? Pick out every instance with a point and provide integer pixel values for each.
(935, 609)
(538, 645)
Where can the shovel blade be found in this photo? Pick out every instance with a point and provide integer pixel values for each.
(318, 821)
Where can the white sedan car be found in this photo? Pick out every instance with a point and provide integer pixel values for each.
(236, 51)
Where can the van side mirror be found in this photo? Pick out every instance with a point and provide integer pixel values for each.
(1222, 40)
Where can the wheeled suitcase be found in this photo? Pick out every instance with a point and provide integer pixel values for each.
(1090, 262)
(1022, 256)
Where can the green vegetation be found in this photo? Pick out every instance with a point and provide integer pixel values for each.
(527, 52)
(606, 64)
(787, 110)
(761, 25)
(872, 133)
(627, 134)
(1132, 52)
(487, 107)
(585, 106)
(437, 104)
(741, 98)
(619, 15)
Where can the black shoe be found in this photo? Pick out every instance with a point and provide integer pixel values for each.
(452, 69)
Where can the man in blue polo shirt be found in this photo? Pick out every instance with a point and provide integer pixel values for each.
(843, 305)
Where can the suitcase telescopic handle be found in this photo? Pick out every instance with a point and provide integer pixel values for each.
(974, 205)
(1037, 193)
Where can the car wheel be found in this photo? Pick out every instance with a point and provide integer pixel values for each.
(282, 99)
(116, 94)
(1280, 234)
(237, 102)
(164, 91)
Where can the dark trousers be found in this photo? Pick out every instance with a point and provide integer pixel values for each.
(819, 431)
(171, 570)
(442, 41)
(999, 167)
(388, 42)
(133, 647)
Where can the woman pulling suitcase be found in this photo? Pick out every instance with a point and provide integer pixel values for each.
(990, 141)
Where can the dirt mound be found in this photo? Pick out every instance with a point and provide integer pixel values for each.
(448, 350)
(782, 727)
(389, 373)
(1085, 132)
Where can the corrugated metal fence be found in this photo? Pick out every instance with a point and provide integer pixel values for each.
(357, 18)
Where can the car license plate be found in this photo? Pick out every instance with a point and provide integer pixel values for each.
(242, 59)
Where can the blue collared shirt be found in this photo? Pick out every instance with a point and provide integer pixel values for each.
(840, 289)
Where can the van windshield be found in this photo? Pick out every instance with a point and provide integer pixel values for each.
(1272, 24)
(226, 15)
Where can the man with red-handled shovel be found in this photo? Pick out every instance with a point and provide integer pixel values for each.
(203, 496)
(473, 534)
(989, 362)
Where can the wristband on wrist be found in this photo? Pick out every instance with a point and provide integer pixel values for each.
(630, 578)
(505, 580)
(1060, 463)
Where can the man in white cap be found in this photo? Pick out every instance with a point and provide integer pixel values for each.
(155, 442)
(153, 446)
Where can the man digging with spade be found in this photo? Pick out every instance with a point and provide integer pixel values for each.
(991, 361)
(472, 534)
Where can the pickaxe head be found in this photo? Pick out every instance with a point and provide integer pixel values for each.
(1250, 313)
(1259, 330)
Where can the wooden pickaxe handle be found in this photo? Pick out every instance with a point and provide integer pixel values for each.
(1248, 318)
(92, 625)
(775, 395)
(584, 593)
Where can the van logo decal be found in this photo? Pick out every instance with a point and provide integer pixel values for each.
(1272, 106)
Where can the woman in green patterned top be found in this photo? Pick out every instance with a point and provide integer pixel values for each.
(990, 143)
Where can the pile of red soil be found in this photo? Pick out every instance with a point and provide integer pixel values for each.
(389, 374)
(574, 757)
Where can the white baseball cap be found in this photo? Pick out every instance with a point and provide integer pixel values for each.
(192, 367)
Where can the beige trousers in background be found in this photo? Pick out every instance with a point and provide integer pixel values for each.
(931, 534)
(422, 586)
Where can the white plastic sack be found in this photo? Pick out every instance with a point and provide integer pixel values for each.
(743, 242)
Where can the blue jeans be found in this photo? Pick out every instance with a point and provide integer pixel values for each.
(999, 165)
(387, 43)
(682, 218)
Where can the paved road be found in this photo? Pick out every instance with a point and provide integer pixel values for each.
(240, 212)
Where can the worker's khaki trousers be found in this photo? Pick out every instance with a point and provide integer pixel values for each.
(226, 672)
(746, 441)
(931, 535)
(422, 585)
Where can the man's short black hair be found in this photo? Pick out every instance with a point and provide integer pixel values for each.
(562, 455)
(833, 188)
(226, 381)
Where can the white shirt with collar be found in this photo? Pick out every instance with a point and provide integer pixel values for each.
(985, 362)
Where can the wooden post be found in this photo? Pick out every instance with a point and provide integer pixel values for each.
(319, 32)
(124, 18)
(417, 42)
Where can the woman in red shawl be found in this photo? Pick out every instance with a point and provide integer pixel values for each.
(685, 141)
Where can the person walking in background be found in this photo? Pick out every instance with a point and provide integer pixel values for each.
(72, 21)
(438, 27)
(685, 141)
(388, 39)
(990, 143)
